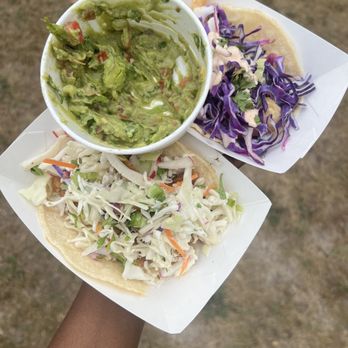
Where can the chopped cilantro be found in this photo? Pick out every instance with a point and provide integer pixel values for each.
(231, 202)
(241, 82)
(243, 100)
(37, 171)
(161, 172)
(157, 193)
(162, 44)
(257, 119)
(137, 220)
(223, 41)
(135, 14)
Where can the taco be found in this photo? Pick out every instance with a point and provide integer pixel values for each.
(129, 221)
(257, 85)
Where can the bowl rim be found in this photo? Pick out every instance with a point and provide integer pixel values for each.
(169, 139)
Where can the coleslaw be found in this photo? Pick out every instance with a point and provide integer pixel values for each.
(152, 213)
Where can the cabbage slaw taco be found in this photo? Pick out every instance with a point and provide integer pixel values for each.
(129, 221)
(256, 88)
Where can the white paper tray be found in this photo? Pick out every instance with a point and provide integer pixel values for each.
(329, 68)
(175, 303)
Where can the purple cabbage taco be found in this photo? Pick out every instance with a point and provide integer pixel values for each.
(256, 88)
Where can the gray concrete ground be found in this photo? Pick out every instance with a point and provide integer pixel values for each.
(290, 289)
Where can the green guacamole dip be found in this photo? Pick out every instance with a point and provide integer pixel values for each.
(124, 82)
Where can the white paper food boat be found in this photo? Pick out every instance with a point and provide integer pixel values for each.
(328, 66)
(174, 304)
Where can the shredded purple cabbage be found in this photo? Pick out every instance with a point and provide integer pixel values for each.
(58, 170)
(221, 117)
(64, 174)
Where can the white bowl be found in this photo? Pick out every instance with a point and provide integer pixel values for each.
(186, 25)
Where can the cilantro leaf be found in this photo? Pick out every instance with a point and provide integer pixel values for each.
(241, 82)
(37, 171)
(157, 193)
(161, 172)
(231, 202)
(199, 44)
(243, 100)
(137, 220)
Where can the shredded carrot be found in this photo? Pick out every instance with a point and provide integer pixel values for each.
(166, 187)
(59, 163)
(98, 228)
(152, 175)
(193, 178)
(207, 190)
(174, 243)
(185, 263)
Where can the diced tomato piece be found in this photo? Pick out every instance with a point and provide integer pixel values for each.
(88, 14)
(183, 82)
(102, 56)
(75, 26)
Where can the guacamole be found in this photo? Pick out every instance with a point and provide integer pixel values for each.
(124, 82)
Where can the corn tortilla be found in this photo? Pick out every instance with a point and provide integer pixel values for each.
(107, 271)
